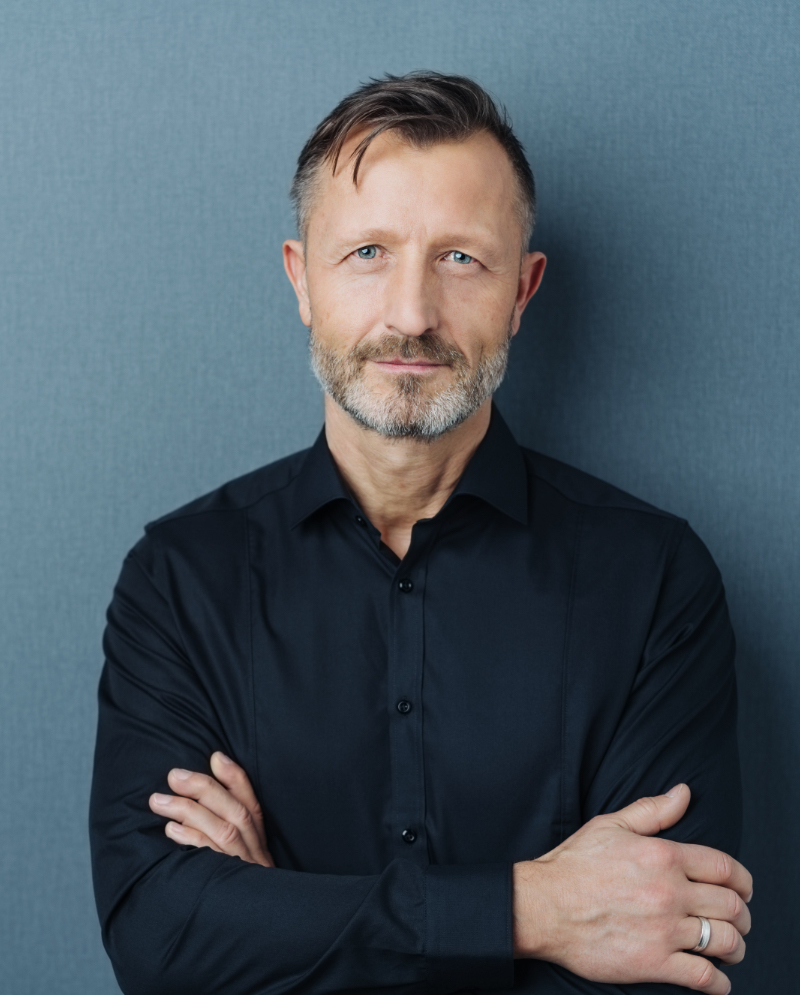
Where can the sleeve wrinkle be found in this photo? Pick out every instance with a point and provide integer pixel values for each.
(163, 598)
(706, 606)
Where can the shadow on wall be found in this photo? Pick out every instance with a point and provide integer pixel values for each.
(544, 394)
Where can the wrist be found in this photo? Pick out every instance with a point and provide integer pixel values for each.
(531, 922)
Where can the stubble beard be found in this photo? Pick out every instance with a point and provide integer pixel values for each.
(411, 408)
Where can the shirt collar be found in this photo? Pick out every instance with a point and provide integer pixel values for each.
(318, 482)
(495, 474)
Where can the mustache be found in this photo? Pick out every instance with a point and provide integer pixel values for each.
(429, 346)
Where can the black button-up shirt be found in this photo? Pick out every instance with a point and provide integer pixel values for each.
(549, 648)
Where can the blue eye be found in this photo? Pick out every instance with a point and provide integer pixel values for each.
(367, 252)
(461, 257)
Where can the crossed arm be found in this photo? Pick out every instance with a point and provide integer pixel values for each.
(610, 903)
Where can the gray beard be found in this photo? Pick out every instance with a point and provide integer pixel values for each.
(413, 409)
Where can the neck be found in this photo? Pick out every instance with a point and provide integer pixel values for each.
(397, 482)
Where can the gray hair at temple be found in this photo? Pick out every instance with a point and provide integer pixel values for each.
(424, 108)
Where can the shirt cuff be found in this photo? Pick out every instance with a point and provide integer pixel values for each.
(469, 942)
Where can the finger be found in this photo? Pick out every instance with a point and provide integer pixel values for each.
(715, 902)
(217, 799)
(697, 973)
(725, 941)
(224, 834)
(703, 863)
(186, 836)
(648, 816)
(234, 778)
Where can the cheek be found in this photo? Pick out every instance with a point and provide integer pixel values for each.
(345, 310)
(477, 316)
(485, 294)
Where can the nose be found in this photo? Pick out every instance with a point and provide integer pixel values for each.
(410, 305)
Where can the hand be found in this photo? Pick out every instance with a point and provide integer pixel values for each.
(224, 815)
(614, 906)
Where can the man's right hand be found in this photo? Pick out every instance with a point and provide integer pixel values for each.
(219, 812)
(613, 905)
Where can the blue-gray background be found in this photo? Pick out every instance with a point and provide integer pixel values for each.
(150, 347)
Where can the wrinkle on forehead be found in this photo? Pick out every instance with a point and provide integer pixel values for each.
(449, 188)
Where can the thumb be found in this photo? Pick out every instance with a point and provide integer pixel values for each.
(649, 816)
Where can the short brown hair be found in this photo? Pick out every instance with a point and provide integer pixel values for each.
(425, 108)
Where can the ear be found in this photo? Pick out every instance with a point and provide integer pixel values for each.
(530, 276)
(294, 262)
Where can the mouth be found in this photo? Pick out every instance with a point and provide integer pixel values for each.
(397, 365)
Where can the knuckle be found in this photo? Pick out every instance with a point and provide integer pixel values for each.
(659, 854)
(735, 905)
(730, 939)
(242, 816)
(649, 805)
(705, 975)
(227, 834)
(724, 866)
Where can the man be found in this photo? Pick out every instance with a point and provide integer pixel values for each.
(445, 699)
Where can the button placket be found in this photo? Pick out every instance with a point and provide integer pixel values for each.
(406, 650)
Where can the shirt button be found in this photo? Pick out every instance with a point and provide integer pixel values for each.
(404, 706)
(360, 520)
(406, 585)
(409, 835)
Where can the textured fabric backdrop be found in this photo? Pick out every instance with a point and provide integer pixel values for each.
(150, 347)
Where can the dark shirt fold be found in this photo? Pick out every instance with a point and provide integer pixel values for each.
(550, 648)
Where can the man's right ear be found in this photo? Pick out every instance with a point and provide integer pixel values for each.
(294, 262)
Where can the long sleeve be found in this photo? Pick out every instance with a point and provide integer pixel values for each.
(678, 725)
(184, 920)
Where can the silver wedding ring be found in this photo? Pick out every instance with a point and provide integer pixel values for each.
(705, 935)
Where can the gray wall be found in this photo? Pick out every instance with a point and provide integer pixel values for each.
(150, 347)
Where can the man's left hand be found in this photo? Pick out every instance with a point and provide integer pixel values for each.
(220, 812)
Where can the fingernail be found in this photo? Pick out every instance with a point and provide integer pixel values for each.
(161, 799)
(180, 774)
(174, 829)
(750, 898)
(672, 793)
(225, 759)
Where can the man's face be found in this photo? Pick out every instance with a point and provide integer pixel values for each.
(413, 282)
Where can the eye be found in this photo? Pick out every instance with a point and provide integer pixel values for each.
(461, 257)
(367, 252)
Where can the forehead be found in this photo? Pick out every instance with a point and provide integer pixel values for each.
(449, 184)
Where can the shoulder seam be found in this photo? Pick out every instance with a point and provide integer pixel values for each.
(646, 510)
(178, 516)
